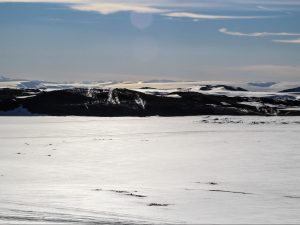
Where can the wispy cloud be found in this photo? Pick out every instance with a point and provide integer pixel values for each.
(163, 7)
(265, 2)
(172, 9)
(257, 34)
(208, 17)
(103, 7)
(263, 8)
(41, 1)
(295, 41)
(265, 34)
(108, 8)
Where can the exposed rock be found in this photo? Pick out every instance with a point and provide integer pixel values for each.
(128, 193)
(297, 89)
(290, 196)
(225, 87)
(136, 195)
(120, 192)
(124, 102)
(233, 192)
(157, 204)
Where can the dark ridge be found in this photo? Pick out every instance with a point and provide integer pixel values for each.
(146, 88)
(262, 84)
(159, 81)
(124, 102)
(226, 87)
(293, 90)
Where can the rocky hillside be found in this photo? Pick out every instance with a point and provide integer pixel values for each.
(125, 102)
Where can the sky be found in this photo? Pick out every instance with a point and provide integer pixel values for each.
(81, 40)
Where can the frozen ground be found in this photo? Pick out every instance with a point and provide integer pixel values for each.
(149, 170)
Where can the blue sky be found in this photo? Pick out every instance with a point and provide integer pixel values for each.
(251, 40)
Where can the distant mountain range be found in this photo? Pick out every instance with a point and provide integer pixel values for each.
(6, 82)
(262, 84)
(3, 79)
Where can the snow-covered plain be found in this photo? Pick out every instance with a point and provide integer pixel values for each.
(165, 85)
(201, 169)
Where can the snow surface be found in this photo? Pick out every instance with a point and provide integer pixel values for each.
(233, 170)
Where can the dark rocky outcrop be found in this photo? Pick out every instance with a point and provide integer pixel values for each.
(292, 90)
(124, 102)
(226, 87)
